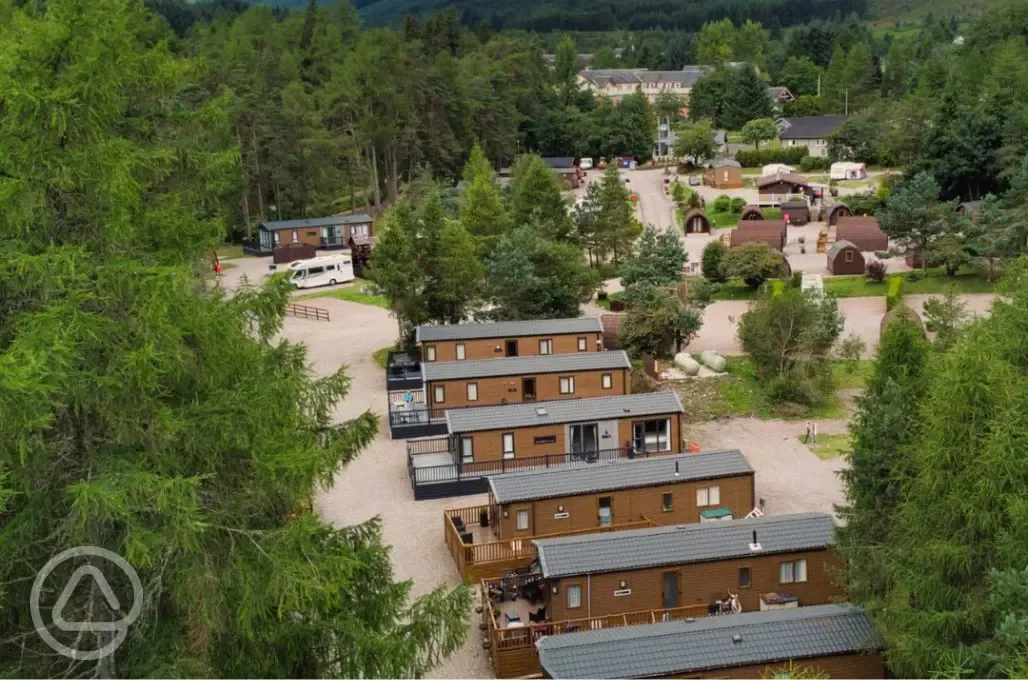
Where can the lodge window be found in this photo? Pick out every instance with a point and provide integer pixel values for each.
(792, 572)
(359, 230)
(429, 352)
(467, 449)
(606, 512)
(744, 577)
(849, 255)
(522, 524)
(581, 344)
(652, 435)
(546, 347)
(461, 355)
(508, 445)
(574, 597)
(708, 495)
(547, 439)
(296, 236)
(607, 381)
(567, 385)
(667, 502)
(440, 394)
(472, 391)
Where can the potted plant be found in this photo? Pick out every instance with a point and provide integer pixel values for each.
(483, 517)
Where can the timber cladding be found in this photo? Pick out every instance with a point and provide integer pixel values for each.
(496, 348)
(698, 584)
(550, 439)
(492, 391)
(547, 516)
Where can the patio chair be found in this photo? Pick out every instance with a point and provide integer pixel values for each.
(466, 538)
(537, 617)
(458, 523)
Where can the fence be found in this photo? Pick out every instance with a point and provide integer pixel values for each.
(307, 312)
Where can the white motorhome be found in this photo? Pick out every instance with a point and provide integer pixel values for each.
(323, 271)
(843, 171)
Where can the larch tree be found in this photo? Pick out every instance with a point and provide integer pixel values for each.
(147, 413)
(483, 213)
(537, 199)
(617, 227)
(886, 422)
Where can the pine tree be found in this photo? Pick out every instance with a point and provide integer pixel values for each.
(617, 227)
(537, 199)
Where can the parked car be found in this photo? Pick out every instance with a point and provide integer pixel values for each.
(585, 163)
(694, 180)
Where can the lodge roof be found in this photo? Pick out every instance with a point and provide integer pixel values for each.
(331, 221)
(695, 645)
(682, 544)
(543, 413)
(529, 485)
(509, 329)
(530, 365)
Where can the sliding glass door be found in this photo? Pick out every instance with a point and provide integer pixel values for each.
(585, 441)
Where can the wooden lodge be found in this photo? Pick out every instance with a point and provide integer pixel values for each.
(447, 385)
(780, 187)
(835, 211)
(334, 232)
(834, 640)
(573, 432)
(696, 222)
(488, 540)
(640, 576)
(751, 212)
(723, 173)
(797, 212)
(862, 232)
(769, 232)
(845, 258)
(475, 341)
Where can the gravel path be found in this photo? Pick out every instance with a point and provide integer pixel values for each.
(788, 476)
(376, 483)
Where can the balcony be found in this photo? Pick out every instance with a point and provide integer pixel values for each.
(403, 371)
(333, 243)
(513, 619)
(479, 555)
(435, 471)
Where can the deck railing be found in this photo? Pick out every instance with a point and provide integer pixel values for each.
(307, 312)
(509, 647)
(403, 371)
(476, 561)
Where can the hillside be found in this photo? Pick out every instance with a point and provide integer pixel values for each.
(588, 15)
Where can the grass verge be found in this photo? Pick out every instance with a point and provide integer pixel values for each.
(829, 446)
(353, 293)
(382, 355)
(230, 251)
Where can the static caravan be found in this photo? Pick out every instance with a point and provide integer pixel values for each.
(843, 171)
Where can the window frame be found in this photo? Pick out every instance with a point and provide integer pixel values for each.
(749, 577)
(574, 588)
(667, 501)
(517, 520)
(464, 457)
(583, 344)
(545, 346)
(437, 392)
(508, 454)
(460, 351)
(848, 256)
(662, 441)
(794, 567)
(469, 387)
(544, 439)
(607, 381)
(430, 353)
(568, 380)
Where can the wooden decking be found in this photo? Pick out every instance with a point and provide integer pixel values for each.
(485, 557)
(512, 646)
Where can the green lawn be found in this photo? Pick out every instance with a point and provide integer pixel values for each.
(723, 220)
(828, 445)
(382, 355)
(230, 252)
(850, 376)
(355, 292)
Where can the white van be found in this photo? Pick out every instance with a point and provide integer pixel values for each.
(327, 270)
(585, 163)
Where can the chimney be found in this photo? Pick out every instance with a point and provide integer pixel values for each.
(755, 546)
(676, 468)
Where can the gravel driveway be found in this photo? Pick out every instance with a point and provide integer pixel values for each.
(376, 483)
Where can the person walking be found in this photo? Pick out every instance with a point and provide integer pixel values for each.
(806, 437)
(813, 432)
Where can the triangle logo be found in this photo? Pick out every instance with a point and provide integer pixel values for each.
(69, 590)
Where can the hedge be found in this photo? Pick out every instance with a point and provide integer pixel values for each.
(894, 294)
(811, 163)
(754, 159)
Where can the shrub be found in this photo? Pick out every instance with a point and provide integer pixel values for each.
(737, 205)
(882, 254)
(895, 293)
(756, 158)
(875, 271)
(777, 287)
(810, 163)
(713, 254)
(915, 275)
(723, 203)
(797, 279)
(701, 291)
(753, 263)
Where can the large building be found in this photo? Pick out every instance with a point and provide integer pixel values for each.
(619, 83)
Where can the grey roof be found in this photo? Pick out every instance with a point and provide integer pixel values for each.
(628, 474)
(687, 77)
(838, 247)
(331, 221)
(725, 163)
(559, 161)
(776, 93)
(509, 329)
(643, 548)
(534, 365)
(564, 411)
(971, 207)
(691, 646)
(812, 127)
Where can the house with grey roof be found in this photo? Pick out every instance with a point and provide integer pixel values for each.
(810, 131)
(836, 640)
(570, 432)
(619, 83)
(761, 560)
(323, 233)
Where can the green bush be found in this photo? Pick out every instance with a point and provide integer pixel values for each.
(723, 203)
(737, 205)
(756, 158)
(713, 253)
(810, 163)
(894, 294)
(777, 287)
(915, 275)
(797, 279)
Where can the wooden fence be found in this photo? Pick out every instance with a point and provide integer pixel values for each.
(307, 312)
